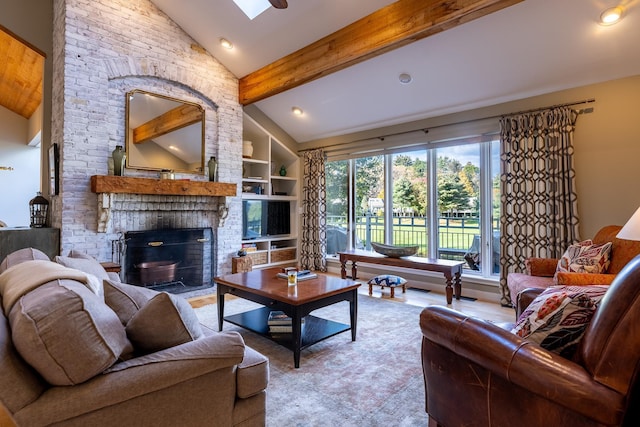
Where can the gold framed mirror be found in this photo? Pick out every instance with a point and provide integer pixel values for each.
(163, 133)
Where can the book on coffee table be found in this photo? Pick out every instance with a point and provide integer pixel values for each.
(302, 275)
(284, 329)
(278, 317)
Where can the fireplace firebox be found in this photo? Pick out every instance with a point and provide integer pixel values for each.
(173, 260)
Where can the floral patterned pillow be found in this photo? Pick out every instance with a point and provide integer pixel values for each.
(585, 257)
(558, 318)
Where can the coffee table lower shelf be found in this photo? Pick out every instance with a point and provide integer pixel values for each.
(315, 329)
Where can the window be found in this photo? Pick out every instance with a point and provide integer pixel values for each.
(369, 197)
(444, 197)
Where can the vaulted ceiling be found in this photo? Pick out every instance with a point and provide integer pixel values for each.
(21, 75)
(516, 51)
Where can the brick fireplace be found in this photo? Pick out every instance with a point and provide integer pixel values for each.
(103, 49)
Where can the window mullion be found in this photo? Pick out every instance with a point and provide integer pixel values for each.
(388, 200)
(351, 208)
(432, 208)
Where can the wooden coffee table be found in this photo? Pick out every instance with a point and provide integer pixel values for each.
(265, 288)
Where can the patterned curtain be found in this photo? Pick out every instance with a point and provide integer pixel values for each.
(314, 207)
(539, 213)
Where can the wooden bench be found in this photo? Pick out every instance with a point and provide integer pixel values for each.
(452, 270)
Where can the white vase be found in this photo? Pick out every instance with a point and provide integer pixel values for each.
(247, 149)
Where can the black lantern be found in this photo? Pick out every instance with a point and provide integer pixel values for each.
(38, 208)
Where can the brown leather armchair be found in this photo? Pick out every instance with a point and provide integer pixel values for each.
(541, 272)
(479, 374)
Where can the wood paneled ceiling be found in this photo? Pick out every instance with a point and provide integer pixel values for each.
(21, 74)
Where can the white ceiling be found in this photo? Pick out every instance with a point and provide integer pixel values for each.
(531, 48)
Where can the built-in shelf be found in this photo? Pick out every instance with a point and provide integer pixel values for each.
(261, 180)
(169, 187)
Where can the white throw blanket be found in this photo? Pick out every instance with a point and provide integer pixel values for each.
(22, 278)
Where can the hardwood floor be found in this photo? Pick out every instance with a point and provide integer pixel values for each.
(482, 309)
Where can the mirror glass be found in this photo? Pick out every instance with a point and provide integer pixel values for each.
(163, 133)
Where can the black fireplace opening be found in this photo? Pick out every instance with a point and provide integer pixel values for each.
(172, 260)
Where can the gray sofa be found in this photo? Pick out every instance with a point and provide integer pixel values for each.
(76, 351)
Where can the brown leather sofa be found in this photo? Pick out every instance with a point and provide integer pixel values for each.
(477, 373)
(540, 272)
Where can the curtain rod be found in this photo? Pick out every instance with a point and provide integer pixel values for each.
(426, 129)
(569, 104)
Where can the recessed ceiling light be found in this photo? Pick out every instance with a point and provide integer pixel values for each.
(297, 111)
(226, 43)
(611, 16)
(405, 78)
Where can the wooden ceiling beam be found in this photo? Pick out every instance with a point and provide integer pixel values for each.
(174, 119)
(391, 27)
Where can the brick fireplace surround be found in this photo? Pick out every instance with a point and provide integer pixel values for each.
(103, 49)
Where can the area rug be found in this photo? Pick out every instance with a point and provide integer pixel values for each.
(374, 381)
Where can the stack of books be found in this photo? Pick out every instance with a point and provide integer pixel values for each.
(249, 247)
(302, 275)
(280, 323)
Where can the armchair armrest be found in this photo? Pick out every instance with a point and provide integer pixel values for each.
(146, 375)
(525, 298)
(545, 267)
(581, 279)
(503, 354)
(221, 350)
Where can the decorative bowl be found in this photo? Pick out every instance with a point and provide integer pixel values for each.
(394, 251)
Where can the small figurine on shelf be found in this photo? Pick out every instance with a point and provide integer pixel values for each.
(283, 171)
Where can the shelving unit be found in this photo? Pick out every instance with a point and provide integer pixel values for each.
(261, 180)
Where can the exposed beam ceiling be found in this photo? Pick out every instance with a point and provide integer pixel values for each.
(391, 27)
(21, 75)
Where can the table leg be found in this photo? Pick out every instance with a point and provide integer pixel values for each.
(296, 335)
(220, 307)
(353, 312)
(457, 283)
(343, 268)
(449, 288)
(354, 270)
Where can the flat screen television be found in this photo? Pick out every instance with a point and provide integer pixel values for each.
(263, 218)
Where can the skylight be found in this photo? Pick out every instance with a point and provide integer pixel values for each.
(252, 8)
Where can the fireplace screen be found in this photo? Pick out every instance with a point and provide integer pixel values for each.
(172, 260)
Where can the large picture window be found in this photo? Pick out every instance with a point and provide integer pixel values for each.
(445, 198)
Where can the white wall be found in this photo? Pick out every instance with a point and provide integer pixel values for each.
(19, 185)
(31, 20)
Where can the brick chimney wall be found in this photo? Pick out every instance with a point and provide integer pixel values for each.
(103, 49)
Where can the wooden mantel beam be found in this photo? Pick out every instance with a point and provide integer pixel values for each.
(391, 27)
(175, 119)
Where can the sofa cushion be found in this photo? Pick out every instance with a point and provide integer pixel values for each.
(559, 316)
(126, 299)
(165, 321)
(66, 332)
(22, 255)
(585, 257)
(86, 264)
